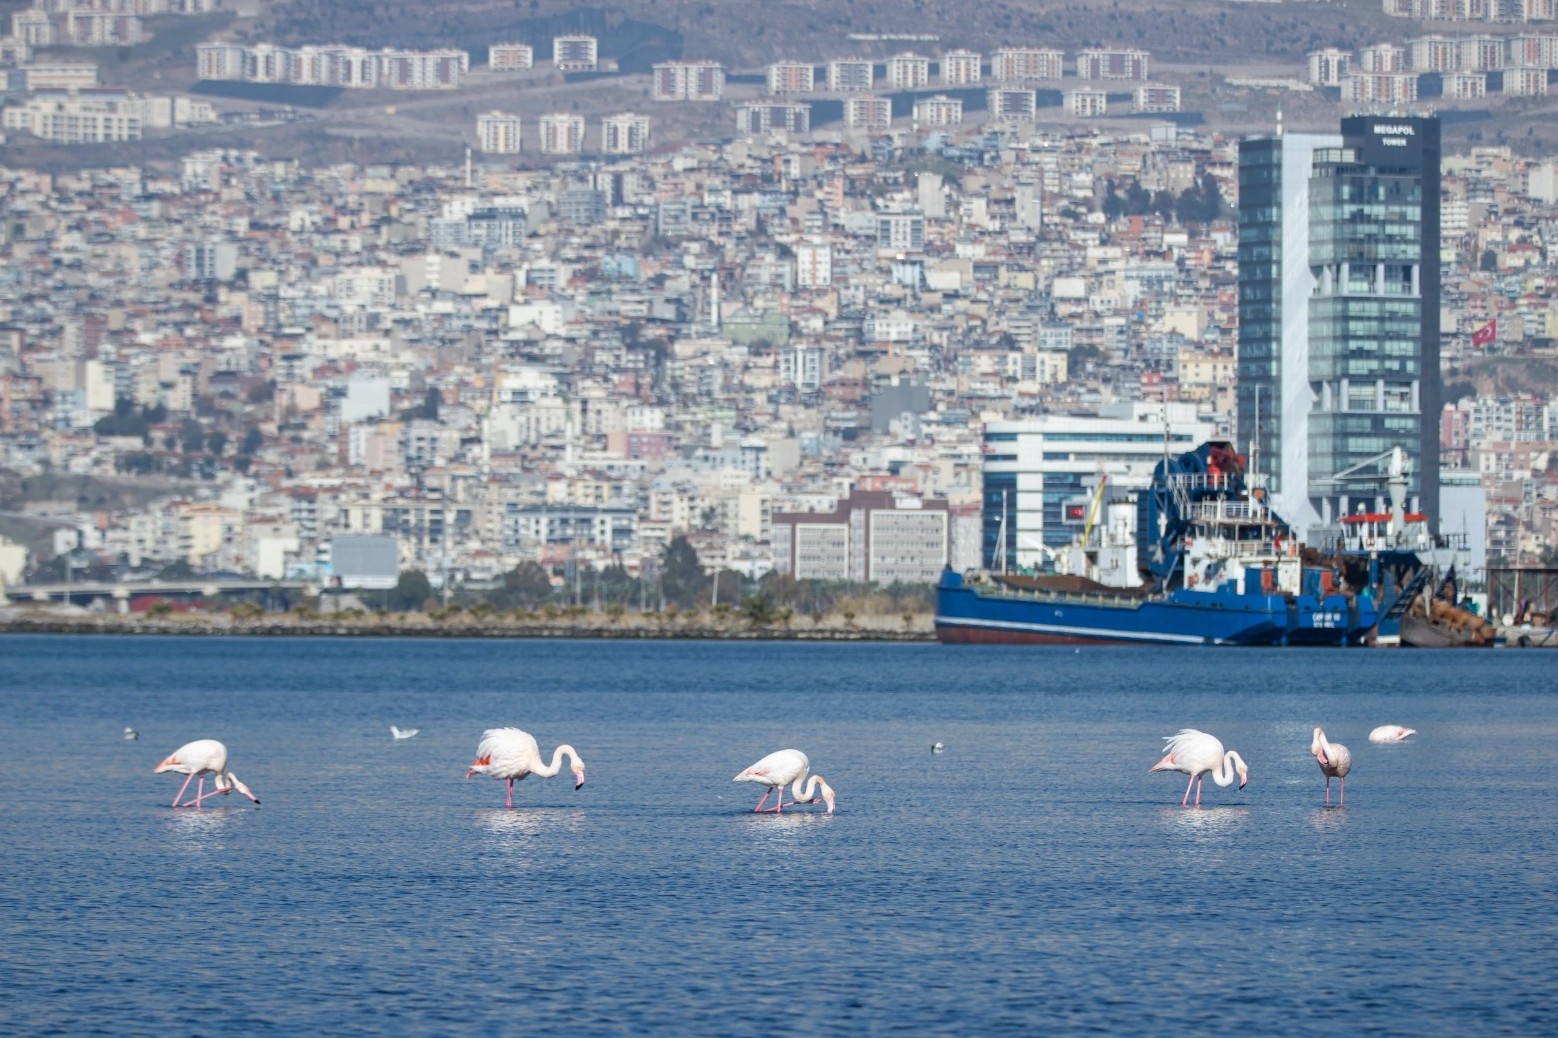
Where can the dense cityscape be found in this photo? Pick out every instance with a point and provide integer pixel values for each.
(574, 367)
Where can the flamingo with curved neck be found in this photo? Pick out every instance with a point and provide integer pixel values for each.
(782, 768)
(1198, 754)
(1335, 760)
(201, 758)
(512, 754)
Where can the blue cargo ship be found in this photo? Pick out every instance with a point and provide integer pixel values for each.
(1222, 569)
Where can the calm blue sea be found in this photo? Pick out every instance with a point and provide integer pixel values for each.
(1031, 879)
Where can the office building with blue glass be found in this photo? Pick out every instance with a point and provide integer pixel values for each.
(1339, 314)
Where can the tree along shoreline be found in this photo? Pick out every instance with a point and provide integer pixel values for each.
(906, 628)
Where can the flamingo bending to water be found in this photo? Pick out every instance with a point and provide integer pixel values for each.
(1335, 760)
(787, 767)
(1198, 754)
(1387, 733)
(512, 754)
(199, 758)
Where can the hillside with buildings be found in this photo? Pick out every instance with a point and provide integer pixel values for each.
(771, 314)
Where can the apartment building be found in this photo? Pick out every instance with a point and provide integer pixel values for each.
(575, 53)
(561, 133)
(1386, 88)
(1381, 58)
(1156, 98)
(61, 75)
(1525, 82)
(1024, 64)
(1109, 63)
(814, 264)
(868, 113)
(1465, 86)
(1327, 67)
(624, 134)
(753, 118)
(870, 536)
(939, 110)
(510, 57)
(498, 133)
(850, 75)
(791, 77)
(908, 72)
(1011, 105)
(961, 68)
(688, 81)
(96, 116)
(1086, 104)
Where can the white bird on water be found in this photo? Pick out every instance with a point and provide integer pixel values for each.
(202, 757)
(936, 747)
(1335, 760)
(1198, 754)
(403, 733)
(1388, 733)
(784, 767)
(131, 733)
(508, 753)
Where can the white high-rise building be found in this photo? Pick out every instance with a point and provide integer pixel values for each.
(562, 133)
(624, 134)
(498, 133)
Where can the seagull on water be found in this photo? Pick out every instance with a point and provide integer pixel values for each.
(131, 733)
(403, 733)
(936, 747)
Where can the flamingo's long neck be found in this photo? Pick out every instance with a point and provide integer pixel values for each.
(1223, 776)
(557, 761)
(808, 794)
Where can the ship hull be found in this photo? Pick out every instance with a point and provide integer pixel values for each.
(989, 615)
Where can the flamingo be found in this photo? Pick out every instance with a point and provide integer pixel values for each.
(199, 758)
(784, 767)
(1335, 760)
(1198, 754)
(1387, 733)
(508, 753)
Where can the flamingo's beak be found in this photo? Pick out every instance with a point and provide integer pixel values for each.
(578, 780)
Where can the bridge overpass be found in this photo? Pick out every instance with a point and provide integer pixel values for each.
(79, 591)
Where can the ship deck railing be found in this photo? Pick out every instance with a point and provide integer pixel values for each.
(1065, 597)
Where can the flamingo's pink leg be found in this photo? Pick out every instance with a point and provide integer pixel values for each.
(1341, 797)
(200, 794)
(511, 793)
(214, 793)
(1198, 791)
(1186, 799)
(763, 801)
(180, 794)
(1328, 791)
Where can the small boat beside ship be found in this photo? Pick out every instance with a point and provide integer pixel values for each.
(1222, 569)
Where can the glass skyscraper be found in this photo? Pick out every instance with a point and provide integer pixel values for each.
(1339, 313)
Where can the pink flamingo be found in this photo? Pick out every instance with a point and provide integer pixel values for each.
(197, 759)
(1198, 754)
(512, 754)
(783, 767)
(1335, 761)
(1388, 733)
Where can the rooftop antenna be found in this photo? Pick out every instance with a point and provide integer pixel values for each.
(467, 167)
(1279, 118)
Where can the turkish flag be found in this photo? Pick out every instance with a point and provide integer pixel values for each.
(1485, 335)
